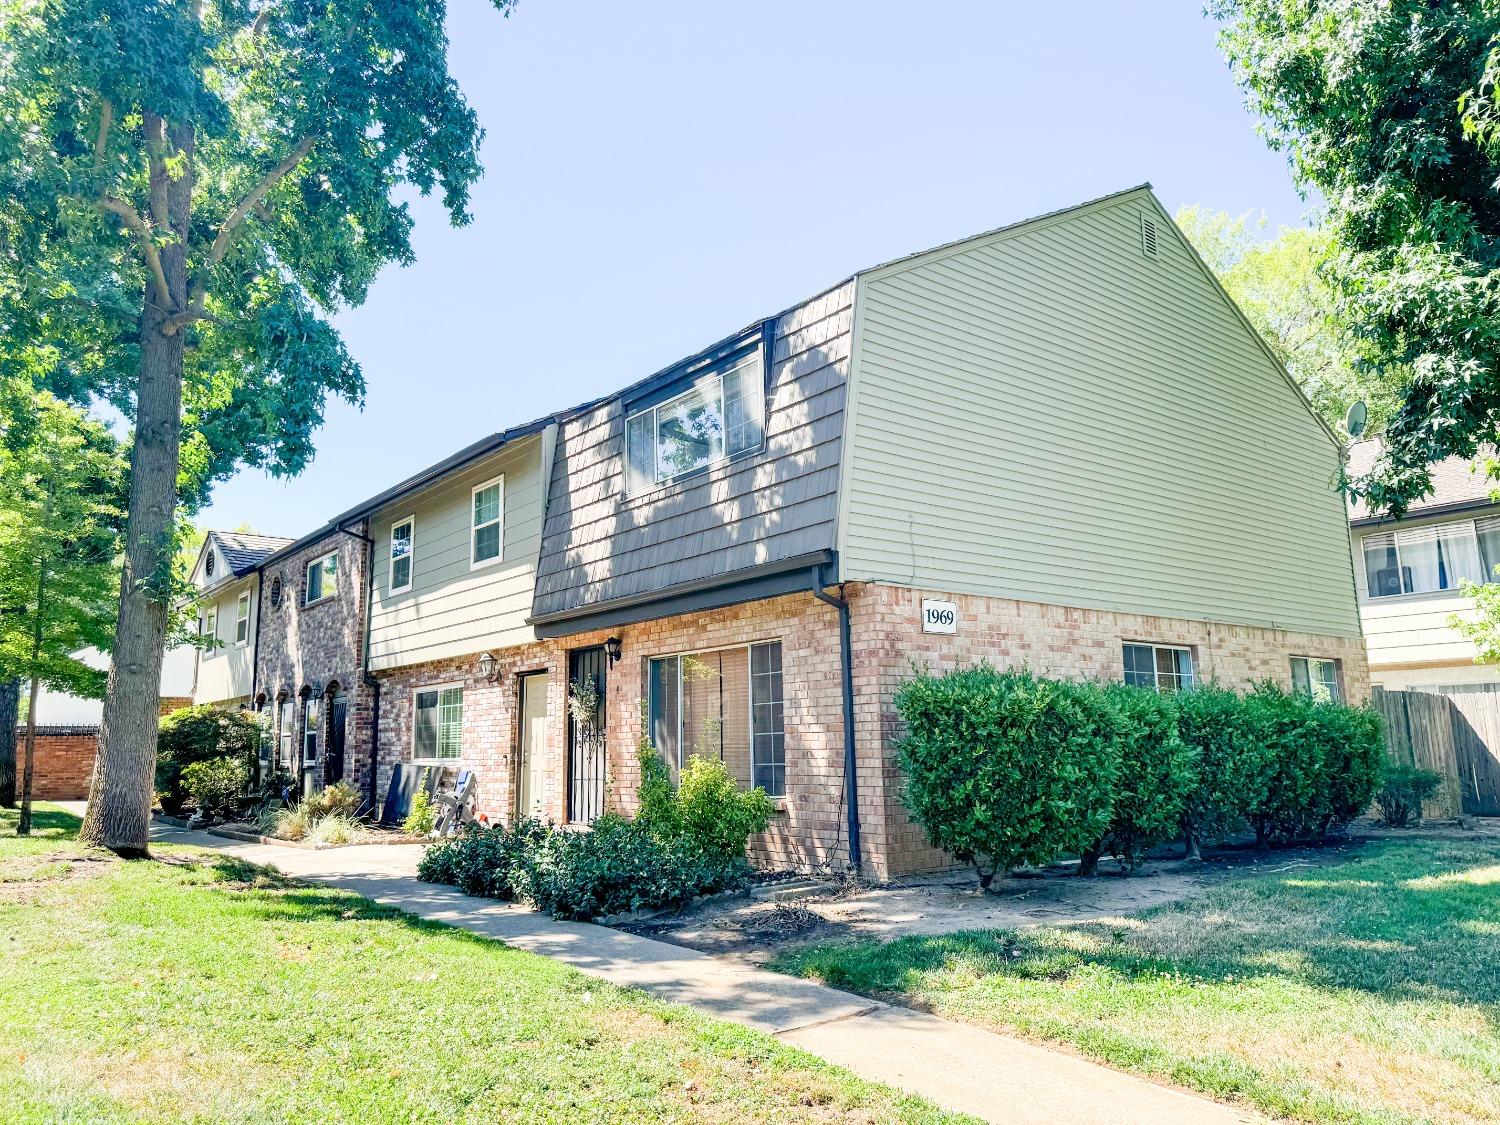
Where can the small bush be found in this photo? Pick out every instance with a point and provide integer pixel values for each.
(215, 784)
(1155, 773)
(200, 734)
(289, 823)
(1006, 768)
(1233, 766)
(1402, 790)
(485, 861)
(335, 828)
(1353, 758)
(715, 817)
(421, 819)
(340, 797)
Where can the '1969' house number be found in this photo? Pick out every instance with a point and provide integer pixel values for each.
(939, 617)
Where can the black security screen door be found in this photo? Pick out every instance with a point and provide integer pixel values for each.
(333, 765)
(586, 743)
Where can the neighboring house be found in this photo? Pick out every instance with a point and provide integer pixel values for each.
(228, 581)
(58, 709)
(1410, 574)
(1058, 443)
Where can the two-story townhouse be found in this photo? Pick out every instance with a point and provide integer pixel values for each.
(1057, 443)
(309, 675)
(227, 577)
(1411, 573)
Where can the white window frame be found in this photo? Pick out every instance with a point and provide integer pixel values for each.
(410, 523)
(317, 564)
(1396, 535)
(747, 646)
(286, 710)
(211, 629)
(498, 522)
(242, 620)
(1156, 647)
(311, 709)
(714, 378)
(452, 685)
(1336, 693)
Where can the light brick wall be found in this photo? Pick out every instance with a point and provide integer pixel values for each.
(1052, 640)
(808, 832)
(315, 646)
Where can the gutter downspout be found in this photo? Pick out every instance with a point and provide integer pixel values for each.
(260, 589)
(365, 678)
(851, 770)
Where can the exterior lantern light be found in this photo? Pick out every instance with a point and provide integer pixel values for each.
(488, 667)
(612, 649)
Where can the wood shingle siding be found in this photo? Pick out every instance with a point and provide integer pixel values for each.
(1049, 414)
(600, 544)
(451, 609)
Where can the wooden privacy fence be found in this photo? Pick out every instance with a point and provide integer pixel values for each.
(1457, 734)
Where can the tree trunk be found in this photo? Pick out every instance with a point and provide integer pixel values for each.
(1088, 861)
(10, 707)
(120, 793)
(1192, 850)
(24, 827)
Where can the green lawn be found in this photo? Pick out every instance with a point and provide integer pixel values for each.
(1366, 991)
(192, 988)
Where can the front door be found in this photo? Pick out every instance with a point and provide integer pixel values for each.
(586, 744)
(333, 764)
(533, 750)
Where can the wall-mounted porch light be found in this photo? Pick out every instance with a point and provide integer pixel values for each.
(612, 649)
(489, 668)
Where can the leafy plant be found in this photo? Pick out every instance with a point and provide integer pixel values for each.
(334, 828)
(1005, 767)
(200, 734)
(1233, 766)
(216, 783)
(1402, 790)
(1155, 773)
(340, 797)
(491, 862)
(715, 817)
(421, 819)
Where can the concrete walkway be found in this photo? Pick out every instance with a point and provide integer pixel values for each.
(954, 1065)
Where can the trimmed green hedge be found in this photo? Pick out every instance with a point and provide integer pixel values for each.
(1006, 768)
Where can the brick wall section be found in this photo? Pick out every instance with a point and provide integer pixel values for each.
(308, 649)
(808, 832)
(64, 762)
(1053, 640)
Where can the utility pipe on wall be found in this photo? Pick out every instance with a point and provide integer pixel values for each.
(851, 770)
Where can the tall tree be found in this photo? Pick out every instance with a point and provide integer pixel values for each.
(190, 185)
(1283, 286)
(1389, 109)
(59, 535)
(10, 707)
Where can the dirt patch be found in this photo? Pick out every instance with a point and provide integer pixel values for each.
(947, 902)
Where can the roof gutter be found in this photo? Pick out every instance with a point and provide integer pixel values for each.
(846, 662)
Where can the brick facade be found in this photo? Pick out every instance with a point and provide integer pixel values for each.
(316, 652)
(808, 832)
(63, 764)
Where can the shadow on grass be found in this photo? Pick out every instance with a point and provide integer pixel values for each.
(46, 823)
(1407, 921)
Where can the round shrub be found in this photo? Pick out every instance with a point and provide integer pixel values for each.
(1296, 782)
(1402, 790)
(1155, 773)
(216, 783)
(715, 817)
(1007, 768)
(1353, 759)
(199, 734)
(1233, 766)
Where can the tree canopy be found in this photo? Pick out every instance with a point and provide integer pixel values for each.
(1389, 110)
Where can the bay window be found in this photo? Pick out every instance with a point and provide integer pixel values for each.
(726, 704)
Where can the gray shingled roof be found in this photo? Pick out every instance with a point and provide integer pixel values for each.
(244, 551)
(1455, 481)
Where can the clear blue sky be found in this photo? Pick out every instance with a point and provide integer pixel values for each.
(661, 174)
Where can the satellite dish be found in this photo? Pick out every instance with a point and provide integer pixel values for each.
(1354, 421)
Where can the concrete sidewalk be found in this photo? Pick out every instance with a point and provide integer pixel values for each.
(957, 1066)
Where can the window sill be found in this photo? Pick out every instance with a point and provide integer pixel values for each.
(473, 566)
(320, 601)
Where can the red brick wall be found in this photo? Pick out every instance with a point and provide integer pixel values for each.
(64, 762)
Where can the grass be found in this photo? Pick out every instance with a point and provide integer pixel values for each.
(1366, 991)
(192, 988)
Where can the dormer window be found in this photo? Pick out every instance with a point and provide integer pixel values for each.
(713, 414)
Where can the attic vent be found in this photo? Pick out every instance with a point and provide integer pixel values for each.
(208, 565)
(276, 592)
(1148, 237)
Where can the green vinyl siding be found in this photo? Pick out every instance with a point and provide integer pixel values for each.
(1047, 413)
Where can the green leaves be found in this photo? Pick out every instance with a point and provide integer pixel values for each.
(1388, 109)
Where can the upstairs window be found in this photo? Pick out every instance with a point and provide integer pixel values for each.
(401, 547)
(242, 621)
(322, 578)
(1316, 677)
(211, 624)
(718, 416)
(437, 726)
(486, 541)
(1162, 667)
(1425, 560)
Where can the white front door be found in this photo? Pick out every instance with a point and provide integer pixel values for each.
(533, 771)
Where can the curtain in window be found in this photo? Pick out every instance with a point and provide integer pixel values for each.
(1488, 532)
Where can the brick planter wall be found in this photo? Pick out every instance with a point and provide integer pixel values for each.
(64, 762)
